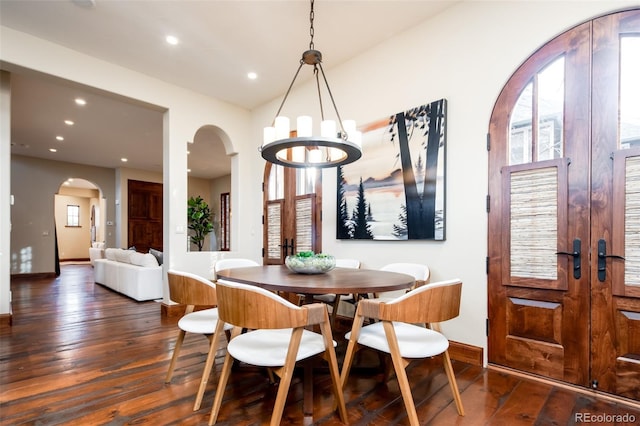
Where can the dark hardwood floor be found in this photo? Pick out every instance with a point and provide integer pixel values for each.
(80, 354)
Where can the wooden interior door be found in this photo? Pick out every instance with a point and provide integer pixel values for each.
(291, 217)
(564, 193)
(144, 215)
(615, 211)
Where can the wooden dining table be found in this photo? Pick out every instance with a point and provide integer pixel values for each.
(339, 281)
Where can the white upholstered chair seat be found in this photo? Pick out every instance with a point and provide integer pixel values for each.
(414, 341)
(268, 348)
(201, 322)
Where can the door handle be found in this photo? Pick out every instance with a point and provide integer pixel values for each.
(602, 259)
(285, 247)
(288, 248)
(577, 270)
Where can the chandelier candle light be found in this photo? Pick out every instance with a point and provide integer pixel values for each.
(332, 148)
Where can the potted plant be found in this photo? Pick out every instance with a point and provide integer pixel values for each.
(200, 220)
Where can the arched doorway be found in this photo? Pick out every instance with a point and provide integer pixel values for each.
(564, 222)
(79, 220)
(209, 177)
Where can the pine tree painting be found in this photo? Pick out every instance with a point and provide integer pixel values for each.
(396, 190)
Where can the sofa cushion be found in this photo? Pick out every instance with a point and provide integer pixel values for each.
(110, 253)
(143, 259)
(124, 256)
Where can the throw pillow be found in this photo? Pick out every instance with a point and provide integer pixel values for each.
(157, 254)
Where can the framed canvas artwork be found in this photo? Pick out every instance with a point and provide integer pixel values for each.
(396, 191)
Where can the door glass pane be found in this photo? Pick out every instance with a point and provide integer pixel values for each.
(305, 181)
(276, 183)
(520, 136)
(629, 92)
(550, 110)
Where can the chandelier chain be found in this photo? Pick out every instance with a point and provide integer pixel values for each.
(311, 29)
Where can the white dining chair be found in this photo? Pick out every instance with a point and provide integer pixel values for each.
(232, 263)
(277, 337)
(397, 334)
(418, 271)
(192, 290)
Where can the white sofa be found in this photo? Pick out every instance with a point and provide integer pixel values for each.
(133, 274)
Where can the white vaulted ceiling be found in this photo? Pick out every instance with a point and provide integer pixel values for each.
(220, 42)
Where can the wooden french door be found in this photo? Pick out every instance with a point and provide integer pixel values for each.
(564, 210)
(292, 212)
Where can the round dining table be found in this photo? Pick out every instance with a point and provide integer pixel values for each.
(338, 281)
(279, 278)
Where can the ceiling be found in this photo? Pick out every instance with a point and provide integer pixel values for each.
(219, 43)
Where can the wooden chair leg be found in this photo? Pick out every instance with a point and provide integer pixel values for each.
(399, 365)
(285, 378)
(334, 310)
(330, 353)
(352, 347)
(213, 348)
(448, 368)
(222, 382)
(174, 358)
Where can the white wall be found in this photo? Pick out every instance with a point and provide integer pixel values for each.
(5, 192)
(465, 55)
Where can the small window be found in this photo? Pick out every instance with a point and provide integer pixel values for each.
(541, 102)
(73, 215)
(629, 131)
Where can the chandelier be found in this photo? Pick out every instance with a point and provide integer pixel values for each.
(336, 145)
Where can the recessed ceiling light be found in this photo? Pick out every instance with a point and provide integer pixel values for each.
(252, 75)
(60, 138)
(188, 152)
(172, 40)
(53, 150)
(124, 160)
(188, 170)
(80, 101)
(69, 122)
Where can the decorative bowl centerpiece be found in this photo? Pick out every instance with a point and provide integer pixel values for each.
(307, 262)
